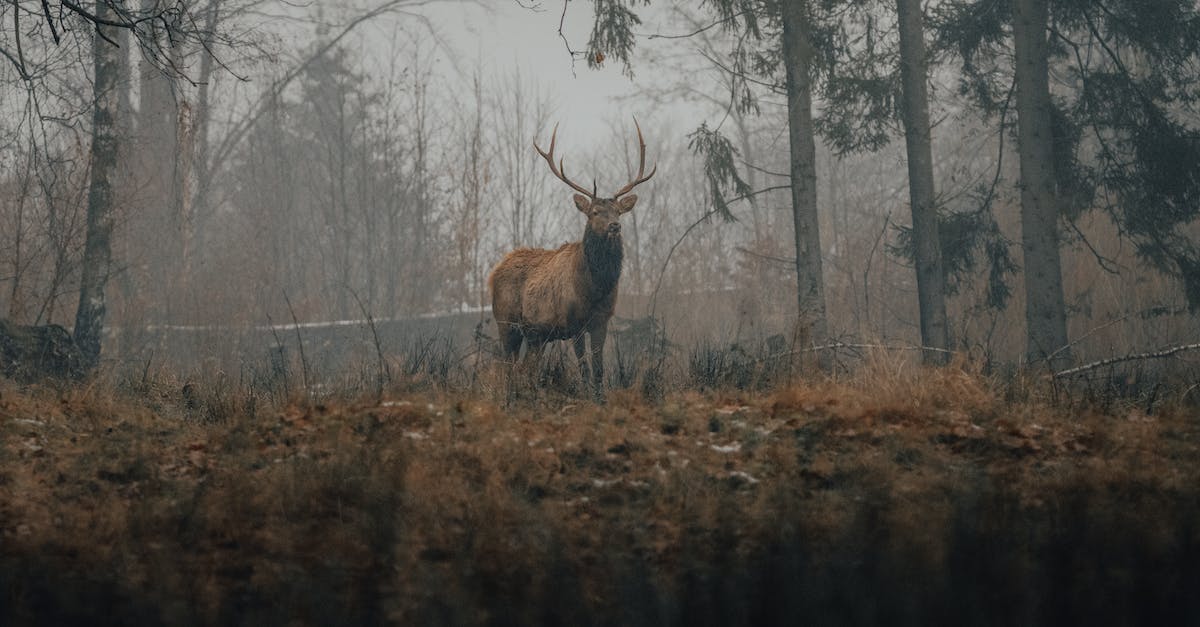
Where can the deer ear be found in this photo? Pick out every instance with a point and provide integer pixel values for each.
(583, 203)
(626, 204)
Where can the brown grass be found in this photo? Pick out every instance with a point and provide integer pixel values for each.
(898, 494)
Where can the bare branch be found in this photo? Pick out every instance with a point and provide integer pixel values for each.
(1167, 352)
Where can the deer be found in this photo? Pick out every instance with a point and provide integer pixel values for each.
(541, 296)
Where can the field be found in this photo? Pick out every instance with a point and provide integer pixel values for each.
(895, 495)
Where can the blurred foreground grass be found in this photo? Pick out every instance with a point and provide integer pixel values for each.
(897, 496)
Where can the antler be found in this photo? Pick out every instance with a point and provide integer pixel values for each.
(558, 171)
(641, 165)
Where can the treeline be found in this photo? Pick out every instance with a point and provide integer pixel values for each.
(1114, 131)
(1043, 196)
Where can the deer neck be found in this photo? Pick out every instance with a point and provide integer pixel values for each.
(602, 260)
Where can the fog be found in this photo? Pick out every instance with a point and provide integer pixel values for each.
(334, 162)
(630, 312)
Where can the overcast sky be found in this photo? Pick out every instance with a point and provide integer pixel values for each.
(501, 34)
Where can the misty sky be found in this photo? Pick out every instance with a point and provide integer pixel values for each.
(501, 35)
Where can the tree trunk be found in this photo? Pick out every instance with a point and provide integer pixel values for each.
(1045, 310)
(97, 253)
(915, 110)
(158, 233)
(204, 168)
(798, 54)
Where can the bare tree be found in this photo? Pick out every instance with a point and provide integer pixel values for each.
(97, 256)
(472, 181)
(520, 109)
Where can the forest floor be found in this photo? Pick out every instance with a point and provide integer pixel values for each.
(932, 496)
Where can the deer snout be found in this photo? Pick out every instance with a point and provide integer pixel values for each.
(614, 228)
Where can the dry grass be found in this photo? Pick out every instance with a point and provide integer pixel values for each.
(897, 494)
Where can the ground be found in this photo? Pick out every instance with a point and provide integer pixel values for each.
(927, 496)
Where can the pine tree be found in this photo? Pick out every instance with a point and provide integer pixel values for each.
(1118, 135)
(931, 284)
(812, 43)
(1045, 307)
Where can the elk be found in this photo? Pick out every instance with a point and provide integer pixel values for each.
(540, 296)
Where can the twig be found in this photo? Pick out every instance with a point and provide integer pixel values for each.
(783, 260)
(300, 344)
(1106, 264)
(764, 170)
(385, 373)
(1116, 360)
(280, 348)
(699, 30)
(991, 194)
(813, 349)
(887, 220)
(703, 218)
(1090, 333)
(50, 21)
(573, 53)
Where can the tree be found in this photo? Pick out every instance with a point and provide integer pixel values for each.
(156, 27)
(1045, 308)
(861, 101)
(520, 110)
(1118, 133)
(931, 285)
(97, 255)
(44, 39)
(794, 41)
(818, 58)
(798, 52)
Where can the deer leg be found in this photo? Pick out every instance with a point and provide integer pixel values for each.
(532, 363)
(598, 334)
(510, 341)
(580, 343)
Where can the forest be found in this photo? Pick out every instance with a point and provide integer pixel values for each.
(891, 319)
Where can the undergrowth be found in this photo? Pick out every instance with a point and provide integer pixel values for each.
(895, 495)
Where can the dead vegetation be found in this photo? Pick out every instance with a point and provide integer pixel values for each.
(896, 495)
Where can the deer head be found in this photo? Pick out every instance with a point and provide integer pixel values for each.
(602, 213)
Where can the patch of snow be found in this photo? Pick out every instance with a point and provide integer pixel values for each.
(729, 448)
(313, 325)
(743, 475)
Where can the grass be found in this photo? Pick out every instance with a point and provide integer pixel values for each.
(897, 495)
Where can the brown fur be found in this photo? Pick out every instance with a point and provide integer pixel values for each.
(541, 296)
